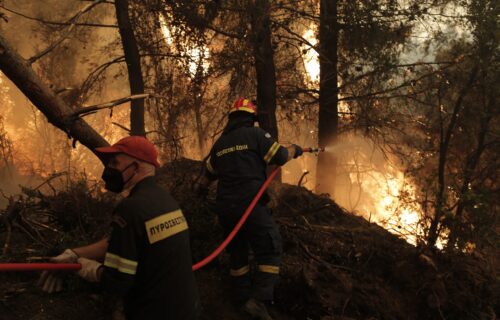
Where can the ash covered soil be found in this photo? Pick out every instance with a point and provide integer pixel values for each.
(335, 265)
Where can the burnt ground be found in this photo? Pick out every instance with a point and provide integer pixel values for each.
(335, 265)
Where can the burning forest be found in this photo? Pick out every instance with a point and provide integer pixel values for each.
(250, 159)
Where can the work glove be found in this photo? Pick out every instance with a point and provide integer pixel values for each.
(51, 281)
(89, 270)
(298, 151)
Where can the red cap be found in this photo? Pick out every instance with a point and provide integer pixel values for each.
(243, 104)
(135, 146)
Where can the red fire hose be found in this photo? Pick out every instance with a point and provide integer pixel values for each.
(39, 266)
(240, 223)
(196, 266)
(243, 218)
(76, 266)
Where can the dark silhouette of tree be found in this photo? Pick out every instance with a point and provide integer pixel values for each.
(263, 56)
(328, 117)
(133, 61)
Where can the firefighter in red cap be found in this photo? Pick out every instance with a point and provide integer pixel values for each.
(147, 258)
(238, 160)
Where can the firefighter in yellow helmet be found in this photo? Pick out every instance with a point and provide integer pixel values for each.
(238, 160)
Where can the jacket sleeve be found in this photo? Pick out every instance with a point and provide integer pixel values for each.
(210, 172)
(121, 260)
(270, 150)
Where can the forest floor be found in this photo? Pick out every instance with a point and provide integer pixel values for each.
(335, 265)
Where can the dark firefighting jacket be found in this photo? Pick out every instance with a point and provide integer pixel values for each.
(148, 262)
(239, 159)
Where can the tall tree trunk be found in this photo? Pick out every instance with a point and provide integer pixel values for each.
(133, 60)
(53, 107)
(328, 95)
(264, 66)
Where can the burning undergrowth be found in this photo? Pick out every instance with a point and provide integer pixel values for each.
(335, 266)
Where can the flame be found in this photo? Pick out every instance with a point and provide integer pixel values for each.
(386, 207)
(311, 57)
(165, 30)
(195, 55)
(368, 184)
(378, 188)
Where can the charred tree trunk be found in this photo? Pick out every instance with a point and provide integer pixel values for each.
(264, 66)
(133, 60)
(328, 95)
(18, 70)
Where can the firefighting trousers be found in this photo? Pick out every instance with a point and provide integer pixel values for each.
(260, 234)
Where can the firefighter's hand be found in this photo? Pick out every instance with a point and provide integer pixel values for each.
(298, 151)
(90, 270)
(51, 281)
(68, 256)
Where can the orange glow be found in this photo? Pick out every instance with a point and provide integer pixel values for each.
(41, 149)
(385, 206)
(311, 57)
(193, 54)
(368, 184)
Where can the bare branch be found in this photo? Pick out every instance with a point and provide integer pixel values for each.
(380, 68)
(298, 37)
(121, 126)
(225, 33)
(311, 16)
(404, 84)
(108, 105)
(59, 23)
(68, 31)
(50, 178)
(94, 74)
(301, 180)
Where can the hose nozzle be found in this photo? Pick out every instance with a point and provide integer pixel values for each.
(314, 150)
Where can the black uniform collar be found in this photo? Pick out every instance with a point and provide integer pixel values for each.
(238, 120)
(144, 182)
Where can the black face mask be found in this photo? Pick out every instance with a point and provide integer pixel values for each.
(114, 178)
